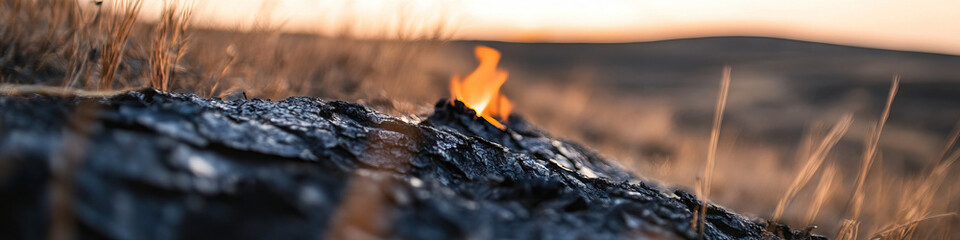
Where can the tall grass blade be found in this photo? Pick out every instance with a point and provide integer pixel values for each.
(714, 141)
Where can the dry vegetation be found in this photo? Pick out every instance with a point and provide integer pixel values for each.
(103, 46)
(169, 44)
(704, 187)
(818, 186)
(88, 46)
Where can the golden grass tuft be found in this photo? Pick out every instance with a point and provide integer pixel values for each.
(102, 46)
(848, 230)
(906, 230)
(917, 204)
(169, 43)
(117, 27)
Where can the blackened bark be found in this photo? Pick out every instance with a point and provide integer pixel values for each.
(153, 165)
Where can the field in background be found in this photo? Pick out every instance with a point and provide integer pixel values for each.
(650, 106)
(647, 105)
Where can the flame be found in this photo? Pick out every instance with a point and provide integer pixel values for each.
(480, 90)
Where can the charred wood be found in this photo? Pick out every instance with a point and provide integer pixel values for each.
(154, 165)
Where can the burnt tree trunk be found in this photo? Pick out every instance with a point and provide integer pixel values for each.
(153, 165)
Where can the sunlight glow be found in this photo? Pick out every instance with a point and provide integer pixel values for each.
(928, 25)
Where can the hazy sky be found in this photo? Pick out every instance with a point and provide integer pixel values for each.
(923, 25)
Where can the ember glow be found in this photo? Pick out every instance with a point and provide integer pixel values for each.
(480, 90)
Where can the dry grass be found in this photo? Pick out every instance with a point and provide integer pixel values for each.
(231, 58)
(918, 204)
(118, 25)
(849, 229)
(39, 39)
(712, 150)
(824, 187)
(870, 152)
(906, 230)
(812, 163)
(81, 44)
(851, 224)
(170, 43)
(103, 49)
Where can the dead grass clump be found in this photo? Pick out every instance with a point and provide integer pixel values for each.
(169, 44)
(122, 19)
(103, 49)
(906, 230)
(917, 205)
(38, 38)
(259, 60)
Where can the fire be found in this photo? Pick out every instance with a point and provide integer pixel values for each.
(480, 90)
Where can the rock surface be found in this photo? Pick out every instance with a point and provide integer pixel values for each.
(153, 165)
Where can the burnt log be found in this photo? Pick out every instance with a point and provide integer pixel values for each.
(154, 165)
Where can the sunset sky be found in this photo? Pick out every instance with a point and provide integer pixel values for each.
(921, 25)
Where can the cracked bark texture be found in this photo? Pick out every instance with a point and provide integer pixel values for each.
(153, 165)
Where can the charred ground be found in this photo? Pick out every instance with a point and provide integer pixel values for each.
(152, 165)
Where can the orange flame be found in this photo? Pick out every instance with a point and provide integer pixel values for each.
(480, 90)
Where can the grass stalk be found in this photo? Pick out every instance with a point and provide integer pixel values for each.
(820, 195)
(869, 154)
(870, 151)
(712, 149)
(812, 164)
